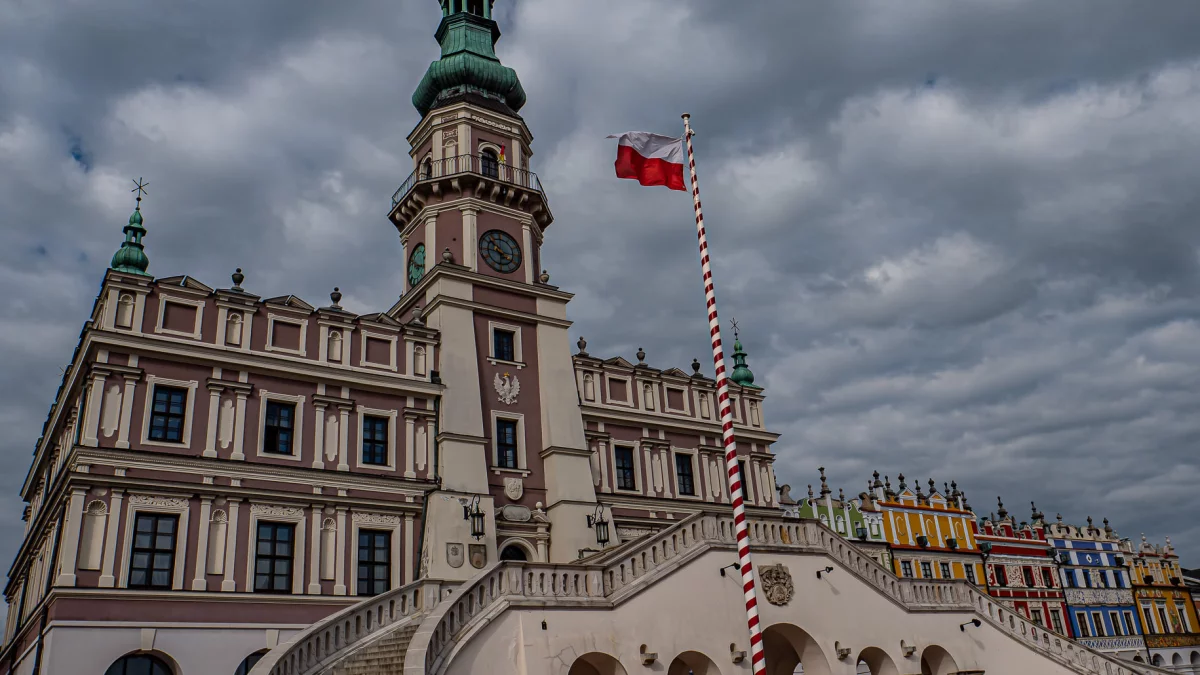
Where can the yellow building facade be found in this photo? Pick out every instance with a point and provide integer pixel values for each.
(1168, 611)
(931, 535)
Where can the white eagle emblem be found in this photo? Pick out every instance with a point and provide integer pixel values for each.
(507, 387)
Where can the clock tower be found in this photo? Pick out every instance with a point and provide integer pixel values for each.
(510, 450)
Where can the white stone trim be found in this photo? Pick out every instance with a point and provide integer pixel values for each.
(518, 352)
(188, 413)
(522, 458)
(168, 505)
(297, 428)
(327, 330)
(697, 492)
(303, 323)
(362, 352)
(686, 409)
(392, 418)
(520, 542)
(381, 523)
(636, 447)
(628, 380)
(224, 316)
(163, 299)
(278, 514)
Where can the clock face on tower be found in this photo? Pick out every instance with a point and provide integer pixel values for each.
(500, 251)
(416, 265)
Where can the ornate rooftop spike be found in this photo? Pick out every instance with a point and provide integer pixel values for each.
(1089, 521)
(1002, 512)
(1058, 517)
(810, 492)
(131, 257)
(966, 505)
(1107, 528)
(932, 487)
(842, 498)
(468, 64)
(824, 485)
(903, 487)
(1037, 515)
(877, 483)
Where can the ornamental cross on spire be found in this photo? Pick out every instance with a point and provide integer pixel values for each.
(140, 190)
(734, 324)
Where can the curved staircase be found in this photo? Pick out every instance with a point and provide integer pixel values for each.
(436, 620)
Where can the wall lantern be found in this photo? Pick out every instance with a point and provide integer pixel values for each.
(598, 522)
(861, 532)
(972, 622)
(923, 541)
(473, 513)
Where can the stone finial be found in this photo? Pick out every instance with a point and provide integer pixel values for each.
(903, 486)
(1058, 517)
(875, 483)
(416, 316)
(932, 487)
(824, 485)
(1002, 512)
(545, 277)
(810, 492)
(1089, 522)
(238, 278)
(447, 256)
(582, 344)
(641, 356)
(1107, 528)
(841, 495)
(1037, 515)
(966, 504)
(336, 297)
(695, 367)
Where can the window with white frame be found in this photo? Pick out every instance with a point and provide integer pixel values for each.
(275, 548)
(377, 440)
(152, 563)
(508, 441)
(624, 468)
(280, 425)
(505, 344)
(168, 411)
(685, 480)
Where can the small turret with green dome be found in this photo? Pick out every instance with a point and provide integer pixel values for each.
(469, 64)
(131, 257)
(741, 372)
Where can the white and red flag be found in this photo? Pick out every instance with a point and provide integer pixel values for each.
(650, 159)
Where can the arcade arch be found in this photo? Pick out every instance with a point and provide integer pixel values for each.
(142, 663)
(787, 646)
(937, 661)
(693, 663)
(596, 663)
(875, 661)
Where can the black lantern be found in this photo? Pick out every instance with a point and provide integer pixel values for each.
(598, 522)
(473, 513)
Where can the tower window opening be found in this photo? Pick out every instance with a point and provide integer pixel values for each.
(475, 7)
(489, 163)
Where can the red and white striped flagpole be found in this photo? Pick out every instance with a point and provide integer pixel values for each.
(758, 660)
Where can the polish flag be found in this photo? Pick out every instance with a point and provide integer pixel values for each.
(650, 159)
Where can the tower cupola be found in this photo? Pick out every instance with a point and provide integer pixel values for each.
(468, 64)
(131, 257)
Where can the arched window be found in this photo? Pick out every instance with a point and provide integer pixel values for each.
(249, 662)
(513, 552)
(139, 664)
(489, 163)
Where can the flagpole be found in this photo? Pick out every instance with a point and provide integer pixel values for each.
(733, 474)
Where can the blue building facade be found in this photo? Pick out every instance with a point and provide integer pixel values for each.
(1100, 602)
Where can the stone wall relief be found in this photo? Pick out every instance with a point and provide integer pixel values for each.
(455, 554)
(777, 584)
(478, 555)
(514, 488)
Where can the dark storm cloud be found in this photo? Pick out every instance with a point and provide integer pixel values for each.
(960, 238)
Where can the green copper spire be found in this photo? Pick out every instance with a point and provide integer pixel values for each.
(131, 257)
(741, 372)
(469, 64)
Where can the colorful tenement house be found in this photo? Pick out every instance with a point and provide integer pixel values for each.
(931, 536)
(1021, 568)
(1100, 605)
(857, 519)
(1171, 627)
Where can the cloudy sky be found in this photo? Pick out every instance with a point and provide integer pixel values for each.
(961, 238)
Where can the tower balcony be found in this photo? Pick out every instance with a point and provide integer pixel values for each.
(481, 177)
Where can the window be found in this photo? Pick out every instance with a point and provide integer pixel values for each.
(489, 164)
(277, 432)
(1115, 621)
(1128, 617)
(1120, 578)
(742, 480)
(945, 570)
(138, 664)
(624, 467)
(1087, 578)
(1047, 578)
(504, 345)
(1056, 622)
(1027, 573)
(1149, 616)
(1036, 615)
(906, 569)
(1070, 574)
(166, 418)
(1001, 576)
(1098, 623)
(153, 562)
(683, 475)
(374, 562)
(926, 571)
(1081, 619)
(1162, 614)
(375, 441)
(970, 570)
(273, 558)
(1104, 578)
(506, 444)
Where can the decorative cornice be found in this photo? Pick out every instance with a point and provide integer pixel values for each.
(375, 519)
(273, 511)
(159, 502)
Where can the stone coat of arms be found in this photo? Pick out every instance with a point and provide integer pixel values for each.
(455, 555)
(478, 555)
(508, 387)
(513, 488)
(777, 584)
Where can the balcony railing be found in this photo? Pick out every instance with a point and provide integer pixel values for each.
(479, 165)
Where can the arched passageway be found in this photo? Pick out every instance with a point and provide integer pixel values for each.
(249, 662)
(694, 663)
(875, 661)
(596, 663)
(788, 647)
(513, 552)
(1158, 660)
(140, 664)
(937, 661)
